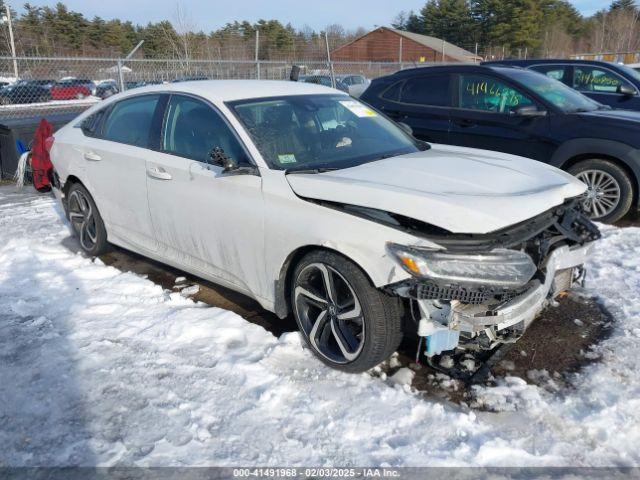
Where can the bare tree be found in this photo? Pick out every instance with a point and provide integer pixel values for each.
(184, 26)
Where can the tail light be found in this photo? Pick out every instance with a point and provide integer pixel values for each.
(48, 143)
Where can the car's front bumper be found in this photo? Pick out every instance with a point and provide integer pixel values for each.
(559, 269)
(475, 311)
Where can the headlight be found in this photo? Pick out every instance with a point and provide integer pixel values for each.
(500, 267)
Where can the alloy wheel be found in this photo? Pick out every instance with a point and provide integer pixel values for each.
(603, 192)
(329, 313)
(83, 220)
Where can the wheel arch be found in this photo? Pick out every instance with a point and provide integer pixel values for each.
(282, 305)
(66, 186)
(71, 179)
(624, 156)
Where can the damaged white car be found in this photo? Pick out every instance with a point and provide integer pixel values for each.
(314, 204)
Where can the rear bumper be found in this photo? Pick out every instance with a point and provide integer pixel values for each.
(525, 307)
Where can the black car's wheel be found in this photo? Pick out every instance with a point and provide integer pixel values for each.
(347, 323)
(5, 101)
(609, 189)
(86, 220)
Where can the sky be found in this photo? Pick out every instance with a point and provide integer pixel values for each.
(211, 14)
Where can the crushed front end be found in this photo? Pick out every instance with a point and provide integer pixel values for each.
(480, 291)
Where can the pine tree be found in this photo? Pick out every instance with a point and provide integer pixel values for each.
(450, 20)
(623, 5)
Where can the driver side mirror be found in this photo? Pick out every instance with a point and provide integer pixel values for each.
(221, 159)
(405, 128)
(529, 111)
(230, 165)
(626, 90)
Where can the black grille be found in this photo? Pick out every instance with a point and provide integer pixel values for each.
(475, 296)
(425, 291)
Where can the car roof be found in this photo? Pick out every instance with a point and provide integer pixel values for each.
(459, 66)
(542, 61)
(229, 90)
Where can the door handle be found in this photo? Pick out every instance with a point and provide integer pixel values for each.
(92, 156)
(465, 123)
(159, 173)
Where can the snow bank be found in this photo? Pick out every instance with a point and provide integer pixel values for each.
(100, 367)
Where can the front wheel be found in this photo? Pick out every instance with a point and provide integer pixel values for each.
(86, 221)
(346, 321)
(609, 192)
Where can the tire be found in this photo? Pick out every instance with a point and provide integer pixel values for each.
(610, 194)
(86, 221)
(80, 96)
(371, 323)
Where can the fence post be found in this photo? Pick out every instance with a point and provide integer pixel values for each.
(329, 62)
(121, 76)
(257, 54)
(475, 59)
(13, 44)
(400, 54)
(443, 44)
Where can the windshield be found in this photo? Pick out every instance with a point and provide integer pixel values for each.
(557, 93)
(320, 131)
(632, 72)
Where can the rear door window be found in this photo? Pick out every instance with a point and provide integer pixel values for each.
(557, 72)
(393, 92)
(130, 121)
(90, 126)
(430, 90)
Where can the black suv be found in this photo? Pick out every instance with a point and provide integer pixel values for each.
(26, 91)
(608, 83)
(525, 113)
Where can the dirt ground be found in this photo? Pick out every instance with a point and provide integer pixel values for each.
(555, 346)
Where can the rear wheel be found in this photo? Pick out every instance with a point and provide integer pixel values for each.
(86, 221)
(346, 321)
(80, 96)
(609, 189)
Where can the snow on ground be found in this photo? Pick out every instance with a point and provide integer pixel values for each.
(51, 104)
(100, 367)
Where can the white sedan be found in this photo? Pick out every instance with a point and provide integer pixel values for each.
(317, 205)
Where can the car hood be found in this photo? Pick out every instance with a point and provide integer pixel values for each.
(608, 115)
(462, 190)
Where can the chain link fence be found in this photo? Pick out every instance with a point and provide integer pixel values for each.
(40, 86)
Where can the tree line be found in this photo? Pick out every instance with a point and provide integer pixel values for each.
(537, 27)
(59, 31)
(498, 27)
